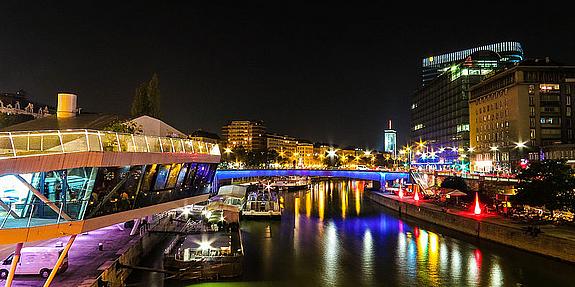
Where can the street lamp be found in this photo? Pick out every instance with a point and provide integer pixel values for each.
(408, 152)
(520, 146)
(494, 149)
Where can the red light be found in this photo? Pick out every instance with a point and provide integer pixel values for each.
(478, 258)
(400, 193)
(477, 209)
(416, 196)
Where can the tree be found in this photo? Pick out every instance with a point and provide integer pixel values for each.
(126, 127)
(331, 161)
(455, 182)
(154, 96)
(147, 99)
(140, 103)
(549, 183)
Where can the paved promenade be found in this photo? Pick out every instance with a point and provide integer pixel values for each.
(84, 257)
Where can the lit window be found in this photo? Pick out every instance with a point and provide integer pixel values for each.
(547, 88)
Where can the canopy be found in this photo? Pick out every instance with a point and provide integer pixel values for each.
(218, 205)
(238, 191)
(452, 192)
(456, 193)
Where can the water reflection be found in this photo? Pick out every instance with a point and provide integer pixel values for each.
(321, 242)
(367, 262)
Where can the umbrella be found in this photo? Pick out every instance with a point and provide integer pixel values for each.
(456, 193)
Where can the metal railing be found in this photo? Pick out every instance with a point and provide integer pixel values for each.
(33, 143)
(22, 215)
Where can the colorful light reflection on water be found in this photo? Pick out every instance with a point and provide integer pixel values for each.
(367, 245)
(320, 241)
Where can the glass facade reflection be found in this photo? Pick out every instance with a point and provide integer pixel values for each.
(88, 192)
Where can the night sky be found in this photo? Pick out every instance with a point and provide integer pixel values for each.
(323, 72)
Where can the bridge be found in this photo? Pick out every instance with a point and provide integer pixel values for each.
(381, 177)
(56, 183)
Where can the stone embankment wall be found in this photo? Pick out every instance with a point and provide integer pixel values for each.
(543, 244)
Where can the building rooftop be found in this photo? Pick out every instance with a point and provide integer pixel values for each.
(81, 121)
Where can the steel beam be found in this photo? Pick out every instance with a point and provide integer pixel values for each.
(135, 227)
(15, 260)
(8, 209)
(43, 198)
(59, 262)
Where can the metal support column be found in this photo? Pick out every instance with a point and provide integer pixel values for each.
(60, 260)
(135, 227)
(15, 260)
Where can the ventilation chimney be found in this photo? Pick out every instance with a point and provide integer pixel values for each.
(66, 106)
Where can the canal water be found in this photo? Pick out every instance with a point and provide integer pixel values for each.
(332, 235)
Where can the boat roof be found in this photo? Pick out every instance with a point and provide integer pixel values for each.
(216, 240)
(233, 190)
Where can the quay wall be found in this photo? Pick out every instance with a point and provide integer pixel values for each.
(543, 244)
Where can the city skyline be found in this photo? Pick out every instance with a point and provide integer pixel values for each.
(278, 143)
(330, 80)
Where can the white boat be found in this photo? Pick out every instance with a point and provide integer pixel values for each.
(292, 183)
(262, 203)
(232, 195)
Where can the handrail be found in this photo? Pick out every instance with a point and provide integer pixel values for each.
(34, 143)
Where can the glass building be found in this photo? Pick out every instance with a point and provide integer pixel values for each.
(440, 109)
(433, 66)
(102, 178)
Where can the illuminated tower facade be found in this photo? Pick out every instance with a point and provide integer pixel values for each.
(390, 140)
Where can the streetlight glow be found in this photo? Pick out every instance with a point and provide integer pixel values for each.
(331, 153)
(520, 145)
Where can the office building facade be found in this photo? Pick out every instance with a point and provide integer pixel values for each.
(285, 145)
(250, 135)
(523, 113)
(434, 66)
(440, 110)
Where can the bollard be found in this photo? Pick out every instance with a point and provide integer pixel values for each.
(100, 246)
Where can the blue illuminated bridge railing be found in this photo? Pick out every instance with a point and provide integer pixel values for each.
(381, 176)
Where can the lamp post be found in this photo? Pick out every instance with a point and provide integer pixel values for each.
(494, 149)
(519, 146)
(470, 150)
(227, 152)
